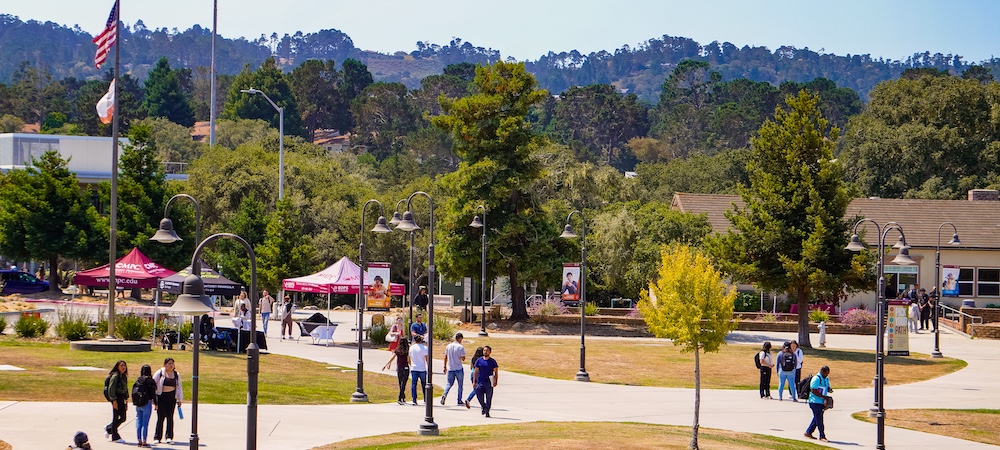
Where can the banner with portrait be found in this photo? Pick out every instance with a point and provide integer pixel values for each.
(377, 292)
(949, 281)
(570, 287)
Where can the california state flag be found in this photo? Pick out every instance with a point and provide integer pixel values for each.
(106, 107)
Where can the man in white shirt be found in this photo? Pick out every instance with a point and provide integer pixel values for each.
(418, 367)
(454, 358)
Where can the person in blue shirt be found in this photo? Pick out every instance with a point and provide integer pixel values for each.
(819, 391)
(486, 371)
(419, 328)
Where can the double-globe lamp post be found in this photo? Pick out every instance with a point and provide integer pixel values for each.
(476, 223)
(903, 258)
(568, 233)
(281, 139)
(380, 227)
(937, 286)
(412, 289)
(428, 427)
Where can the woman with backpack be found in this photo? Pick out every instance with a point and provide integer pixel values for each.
(765, 364)
(786, 372)
(168, 395)
(143, 397)
(400, 354)
(117, 394)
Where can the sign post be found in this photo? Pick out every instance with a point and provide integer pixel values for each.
(897, 329)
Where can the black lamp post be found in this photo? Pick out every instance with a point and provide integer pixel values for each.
(903, 258)
(476, 223)
(281, 138)
(166, 234)
(380, 227)
(193, 302)
(937, 286)
(428, 428)
(568, 233)
(412, 289)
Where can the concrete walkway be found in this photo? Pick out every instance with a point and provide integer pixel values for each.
(521, 398)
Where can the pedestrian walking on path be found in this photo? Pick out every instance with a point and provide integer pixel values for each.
(401, 355)
(143, 397)
(472, 377)
(168, 395)
(766, 364)
(819, 391)
(786, 372)
(486, 373)
(418, 367)
(265, 309)
(118, 396)
(454, 358)
(287, 308)
(799, 359)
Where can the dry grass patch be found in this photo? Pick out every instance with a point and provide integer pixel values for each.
(5, 446)
(661, 364)
(979, 425)
(283, 380)
(572, 436)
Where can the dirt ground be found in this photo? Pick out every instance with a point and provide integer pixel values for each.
(15, 302)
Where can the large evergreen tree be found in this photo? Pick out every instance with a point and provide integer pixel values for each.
(285, 252)
(791, 233)
(164, 96)
(492, 135)
(270, 80)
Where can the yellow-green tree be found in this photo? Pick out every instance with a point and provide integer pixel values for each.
(691, 304)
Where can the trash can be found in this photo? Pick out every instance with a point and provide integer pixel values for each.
(968, 303)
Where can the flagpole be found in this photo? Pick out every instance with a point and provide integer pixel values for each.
(211, 118)
(112, 237)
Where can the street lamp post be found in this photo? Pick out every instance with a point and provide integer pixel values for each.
(281, 139)
(412, 289)
(476, 223)
(428, 427)
(903, 258)
(166, 235)
(193, 302)
(380, 227)
(568, 233)
(937, 286)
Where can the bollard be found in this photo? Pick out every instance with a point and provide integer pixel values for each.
(822, 334)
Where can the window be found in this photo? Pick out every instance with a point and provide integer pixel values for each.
(966, 281)
(988, 282)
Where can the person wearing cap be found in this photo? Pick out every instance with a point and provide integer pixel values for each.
(420, 300)
(80, 441)
(454, 357)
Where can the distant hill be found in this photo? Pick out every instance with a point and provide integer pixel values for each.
(68, 52)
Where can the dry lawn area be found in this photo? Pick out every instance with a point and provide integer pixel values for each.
(979, 425)
(572, 436)
(283, 380)
(660, 363)
(5, 446)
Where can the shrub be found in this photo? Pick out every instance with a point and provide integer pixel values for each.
(72, 325)
(131, 327)
(3, 323)
(30, 326)
(818, 315)
(444, 328)
(746, 302)
(377, 334)
(540, 310)
(991, 305)
(184, 335)
(767, 317)
(590, 309)
(858, 317)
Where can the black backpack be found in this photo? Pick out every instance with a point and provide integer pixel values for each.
(140, 395)
(107, 383)
(787, 362)
(803, 388)
(756, 360)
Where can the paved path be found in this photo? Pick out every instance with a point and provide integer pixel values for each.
(521, 398)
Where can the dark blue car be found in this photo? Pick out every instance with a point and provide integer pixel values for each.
(17, 282)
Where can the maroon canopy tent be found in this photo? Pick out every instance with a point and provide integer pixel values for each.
(132, 271)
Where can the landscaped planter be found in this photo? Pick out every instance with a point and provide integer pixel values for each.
(792, 327)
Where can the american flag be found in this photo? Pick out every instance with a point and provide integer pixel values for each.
(107, 37)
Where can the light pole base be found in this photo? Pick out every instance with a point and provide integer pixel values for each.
(483, 334)
(193, 442)
(428, 429)
(873, 412)
(582, 376)
(937, 354)
(359, 397)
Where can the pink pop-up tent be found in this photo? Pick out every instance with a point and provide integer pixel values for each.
(340, 278)
(133, 270)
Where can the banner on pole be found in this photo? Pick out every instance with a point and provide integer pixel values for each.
(898, 329)
(377, 292)
(949, 285)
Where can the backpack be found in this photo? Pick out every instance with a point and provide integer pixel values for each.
(140, 395)
(107, 383)
(787, 362)
(802, 389)
(756, 360)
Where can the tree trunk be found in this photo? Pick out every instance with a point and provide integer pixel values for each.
(803, 300)
(697, 399)
(54, 273)
(520, 312)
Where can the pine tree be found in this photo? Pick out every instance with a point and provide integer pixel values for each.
(163, 96)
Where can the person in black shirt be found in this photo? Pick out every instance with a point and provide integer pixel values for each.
(420, 300)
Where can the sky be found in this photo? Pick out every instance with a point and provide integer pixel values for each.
(527, 29)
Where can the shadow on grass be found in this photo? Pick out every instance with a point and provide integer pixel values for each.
(868, 356)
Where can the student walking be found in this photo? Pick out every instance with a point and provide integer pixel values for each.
(168, 395)
(799, 359)
(819, 390)
(266, 301)
(401, 355)
(765, 370)
(118, 396)
(472, 376)
(786, 372)
(143, 397)
(418, 367)
(486, 373)
(914, 316)
(286, 317)
(454, 357)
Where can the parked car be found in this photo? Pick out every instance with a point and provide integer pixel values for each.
(17, 282)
